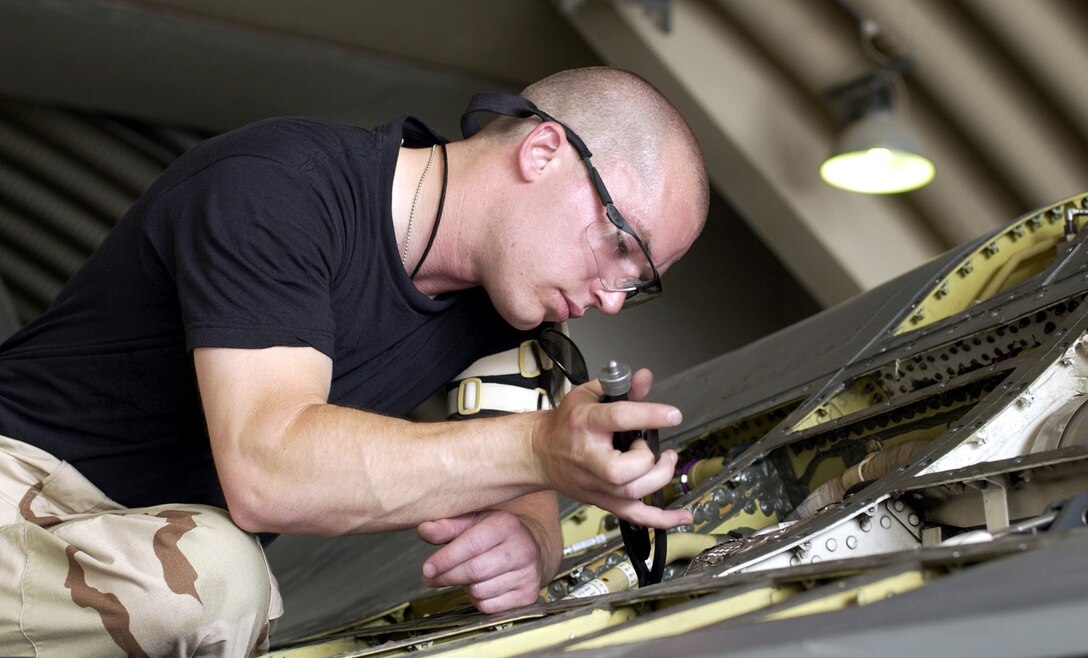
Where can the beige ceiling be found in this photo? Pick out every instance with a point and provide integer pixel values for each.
(997, 95)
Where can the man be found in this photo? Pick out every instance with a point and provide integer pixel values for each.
(249, 334)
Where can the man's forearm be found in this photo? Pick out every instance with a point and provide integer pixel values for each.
(334, 470)
(290, 462)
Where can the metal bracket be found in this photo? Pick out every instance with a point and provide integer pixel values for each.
(995, 503)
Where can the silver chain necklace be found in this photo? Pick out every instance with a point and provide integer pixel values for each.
(415, 200)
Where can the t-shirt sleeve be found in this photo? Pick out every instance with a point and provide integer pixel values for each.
(255, 253)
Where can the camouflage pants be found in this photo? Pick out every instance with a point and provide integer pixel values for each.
(82, 576)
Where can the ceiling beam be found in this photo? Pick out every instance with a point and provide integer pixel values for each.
(155, 65)
(761, 152)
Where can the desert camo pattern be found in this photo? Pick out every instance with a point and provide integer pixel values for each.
(81, 575)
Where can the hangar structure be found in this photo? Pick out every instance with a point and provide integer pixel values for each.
(911, 364)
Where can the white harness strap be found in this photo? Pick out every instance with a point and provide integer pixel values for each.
(526, 363)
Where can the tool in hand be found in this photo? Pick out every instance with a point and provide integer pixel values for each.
(615, 379)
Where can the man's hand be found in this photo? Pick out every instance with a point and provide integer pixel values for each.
(492, 554)
(573, 446)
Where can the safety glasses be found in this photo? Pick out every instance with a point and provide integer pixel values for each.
(566, 358)
(622, 262)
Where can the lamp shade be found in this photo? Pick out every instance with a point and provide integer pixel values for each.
(877, 154)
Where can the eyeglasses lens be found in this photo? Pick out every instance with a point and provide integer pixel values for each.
(621, 263)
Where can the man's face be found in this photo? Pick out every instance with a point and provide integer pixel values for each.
(546, 269)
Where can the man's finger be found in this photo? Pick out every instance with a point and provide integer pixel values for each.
(450, 571)
(641, 382)
(627, 415)
(502, 583)
(463, 554)
(614, 468)
(507, 601)
(653, 480)
(639, 513)
(443, 531)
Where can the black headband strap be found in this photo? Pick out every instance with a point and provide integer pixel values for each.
(517, 107)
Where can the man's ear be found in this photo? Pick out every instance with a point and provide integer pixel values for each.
(540, 150)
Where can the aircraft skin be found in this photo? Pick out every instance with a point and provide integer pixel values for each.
(902, 474)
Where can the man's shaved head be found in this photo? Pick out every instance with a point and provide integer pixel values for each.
(624, 121)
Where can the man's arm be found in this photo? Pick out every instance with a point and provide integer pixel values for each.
(290, 462)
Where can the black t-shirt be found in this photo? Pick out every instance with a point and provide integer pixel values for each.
(279, 233)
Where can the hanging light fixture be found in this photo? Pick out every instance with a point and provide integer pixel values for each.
(876, 153)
